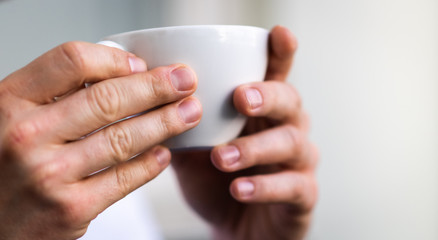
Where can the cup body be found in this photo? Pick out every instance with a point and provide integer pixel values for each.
(223, 57)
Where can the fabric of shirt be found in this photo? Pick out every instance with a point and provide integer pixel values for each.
(129, 218)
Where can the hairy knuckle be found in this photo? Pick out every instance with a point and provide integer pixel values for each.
(105, 101)
(120, 143)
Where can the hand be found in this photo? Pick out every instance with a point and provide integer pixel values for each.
(261, 185)
(54, 181)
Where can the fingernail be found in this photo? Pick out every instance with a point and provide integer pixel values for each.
(245, 188)
(229, 154)
(254, 97)
(137, 65)
(189, 110)
(162, 156)
(182, 79)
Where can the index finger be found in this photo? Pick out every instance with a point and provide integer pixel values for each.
(68, 67)
(282, 47)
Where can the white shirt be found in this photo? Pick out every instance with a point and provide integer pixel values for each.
(127, 219)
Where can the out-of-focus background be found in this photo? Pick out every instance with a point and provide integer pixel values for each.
(368, 74)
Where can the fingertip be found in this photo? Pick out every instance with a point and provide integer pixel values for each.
(242, 189)
(183, 78)
(253, 98)
(215, 158)
(163, 156)
(118, 53)
(190, 69)
(137, 64)
(239, 100)
(248, 99)
(283, 41)
(225, 157)
(190, 110)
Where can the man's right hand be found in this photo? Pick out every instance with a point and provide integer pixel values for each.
(53, 180)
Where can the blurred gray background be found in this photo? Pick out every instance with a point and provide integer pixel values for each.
(368, 74)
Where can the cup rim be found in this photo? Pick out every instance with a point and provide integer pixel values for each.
(189, 27)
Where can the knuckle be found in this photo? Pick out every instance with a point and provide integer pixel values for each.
(298, 189)
(124, 180)
(45, 176)
(156, 81)
(305, 194)
(150, 171)
(43, 185)
(105, 101)
(296, 95)
(248, 154)
(19, 150)
(299, 194)
(296, 140)
(119, 62)
(70, 213)
(166, 124)
(315, 156)
(120, 143)
(313, 195)
(22, 133)
(304, 121)
(4, 99)
(73, 53)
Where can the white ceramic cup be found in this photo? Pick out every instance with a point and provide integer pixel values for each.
(223, 57)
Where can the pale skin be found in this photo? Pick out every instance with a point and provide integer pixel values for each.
(55, 177)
